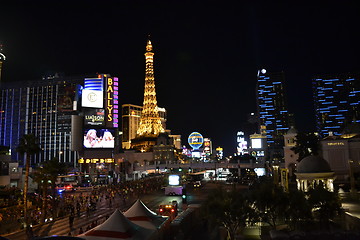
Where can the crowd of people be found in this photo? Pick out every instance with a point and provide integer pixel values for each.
(72, 205)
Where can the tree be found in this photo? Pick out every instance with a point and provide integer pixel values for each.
(229, 209)
(306, 144)
(325, 204)
(43, 183)
(48, 173)
(299, 208)
(4, 150)
(29, 146)
(271, 202)
(53, 168)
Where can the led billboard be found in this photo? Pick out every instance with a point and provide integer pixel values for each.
(66, 98)
(195, 140)
(92, 98)
(241, 143)
(94, 117)
(174, 180)
(256, 143)
(99, 138)
(260, 171)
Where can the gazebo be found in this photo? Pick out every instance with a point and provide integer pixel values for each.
(314, 170)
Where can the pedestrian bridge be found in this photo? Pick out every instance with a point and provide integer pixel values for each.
(197, 166)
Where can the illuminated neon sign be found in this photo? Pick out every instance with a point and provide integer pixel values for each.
(96, 160)
(335, 144)
(112, 101)
(195, 140)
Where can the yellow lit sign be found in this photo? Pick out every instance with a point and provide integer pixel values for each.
(335, 144)
(96, 160)
(109, 98)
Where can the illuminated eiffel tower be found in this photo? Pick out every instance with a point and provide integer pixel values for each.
(150, 125)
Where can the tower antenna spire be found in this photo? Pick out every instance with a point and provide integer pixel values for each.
(150, 125)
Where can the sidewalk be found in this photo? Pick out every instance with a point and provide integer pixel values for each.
(60, 226)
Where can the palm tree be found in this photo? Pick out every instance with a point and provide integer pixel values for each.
(46, 174)
(29, 146)
(41, 178)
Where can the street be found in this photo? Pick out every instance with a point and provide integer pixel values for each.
(104, 210)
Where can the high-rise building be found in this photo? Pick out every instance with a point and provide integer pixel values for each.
(336, 100)
(53, 111)
(272, 108)
(150, 125)
(130, 123)
(131, 115)
(43, 108)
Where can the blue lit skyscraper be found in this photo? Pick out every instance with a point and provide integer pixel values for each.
(336, 100)
(43, 108)
(272, 108)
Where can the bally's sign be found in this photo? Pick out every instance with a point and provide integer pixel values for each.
(112, 106)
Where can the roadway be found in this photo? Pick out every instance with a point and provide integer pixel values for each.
(104, 210)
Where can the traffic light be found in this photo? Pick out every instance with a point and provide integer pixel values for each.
(180, 169)
(184, 198)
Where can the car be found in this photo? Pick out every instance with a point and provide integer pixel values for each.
(197, 184)
(64, 188)
(170, 209)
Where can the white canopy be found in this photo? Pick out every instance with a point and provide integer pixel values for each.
(139, 214)
(117, 227)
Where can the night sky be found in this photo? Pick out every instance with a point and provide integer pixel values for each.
(207, 53)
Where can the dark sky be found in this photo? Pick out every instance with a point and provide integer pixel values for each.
(207, 53)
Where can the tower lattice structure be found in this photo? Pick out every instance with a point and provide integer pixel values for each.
(150, 123)
(2, 59)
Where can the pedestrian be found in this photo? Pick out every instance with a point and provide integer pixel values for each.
(29, 232)
(88, 227)
(81, 231)
(71, 221)
(93, 224)
(87, 211)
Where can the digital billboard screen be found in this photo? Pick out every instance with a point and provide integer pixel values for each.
(174, 180)
(256, 143)
(99, 138)
(92, 98)
(94, 117)
(66, 98)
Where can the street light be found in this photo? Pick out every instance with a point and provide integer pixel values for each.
(276, 173)
(352, 179)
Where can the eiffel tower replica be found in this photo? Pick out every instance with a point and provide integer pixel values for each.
(150, 125)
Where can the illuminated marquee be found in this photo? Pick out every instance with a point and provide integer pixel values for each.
(335, 144)
(94, 117)
(112, 101)
(96, 160)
